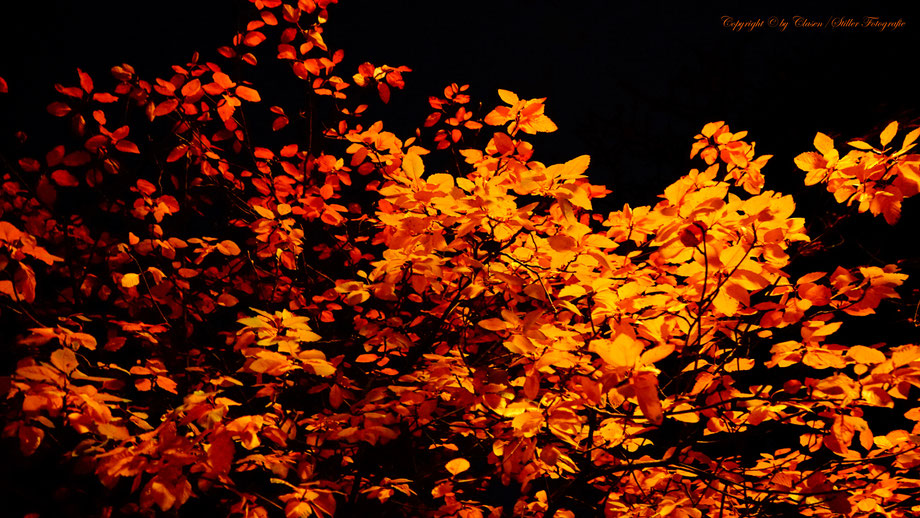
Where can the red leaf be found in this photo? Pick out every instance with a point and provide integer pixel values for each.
(70, 91)
(253, 38)
(58, 109)
(384, 92)
(64, 178)
(166, 107)
(30, 165)
(279, 123)
(177, 153)
(126, 146)
(86, 83)
(53, 157)
(77, 158)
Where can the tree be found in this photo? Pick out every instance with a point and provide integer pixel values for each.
(323, 317)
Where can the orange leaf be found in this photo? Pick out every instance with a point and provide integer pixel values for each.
(823, 143)
(65, 360)
(493, 324)
(646, 386)
(508, 96)
(366, 358)
(227, 300)
(166, 384)
(253, 38)
(228, 247)
(622, 351)
(30, 438)
(888, 133)
(458, 465)
(562, 242)
(130, 280)
(249, 94)
(863, 354)
(223, 80)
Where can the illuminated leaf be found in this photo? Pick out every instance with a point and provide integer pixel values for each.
(646, 386)
(130, 280)
(65, 360)
(888, 133)
(863, 354)
(244, 92)
(59, 109)
(228, 247)
(63, 178)
(458, 465)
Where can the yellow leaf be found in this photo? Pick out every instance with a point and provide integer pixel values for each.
(413, 166)
(623, 351)
(262, 211)
(828, 329)
(508, 96)
(810, 161)
(823, 143)
(739, 364)
(685, 413)
(859, 144)
(710, 128)
(130, 280)
(888, 133)
(458, 465)
(863, 354)
(910, 138)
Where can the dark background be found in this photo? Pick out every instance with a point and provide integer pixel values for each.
(628, 83)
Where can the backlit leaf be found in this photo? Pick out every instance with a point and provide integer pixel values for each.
(888, 133)
(130, 280)
(458, 465)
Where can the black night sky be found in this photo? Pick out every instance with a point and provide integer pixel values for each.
(630, 85)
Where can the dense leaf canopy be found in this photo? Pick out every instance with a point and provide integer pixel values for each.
(219, 298)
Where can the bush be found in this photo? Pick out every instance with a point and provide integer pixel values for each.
(220, 303)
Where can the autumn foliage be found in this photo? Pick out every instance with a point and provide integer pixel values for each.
(222, 302)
